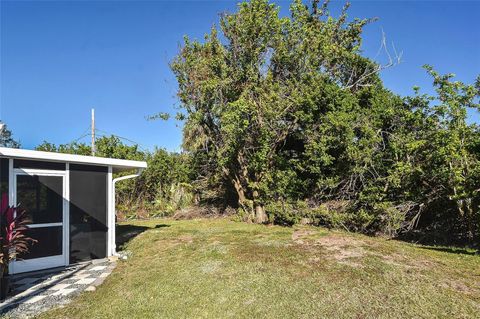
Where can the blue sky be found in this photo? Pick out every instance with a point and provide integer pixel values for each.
(59, 59)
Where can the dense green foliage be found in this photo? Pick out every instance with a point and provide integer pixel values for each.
(286, 115)
(161, 189)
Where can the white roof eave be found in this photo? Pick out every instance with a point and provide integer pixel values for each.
(70, 158)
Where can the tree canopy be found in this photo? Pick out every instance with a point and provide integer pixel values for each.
(286, 112)
(264, 85)
(6, 138)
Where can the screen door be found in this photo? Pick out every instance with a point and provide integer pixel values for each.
(42, 195)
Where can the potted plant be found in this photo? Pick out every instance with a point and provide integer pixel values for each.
(13, 241)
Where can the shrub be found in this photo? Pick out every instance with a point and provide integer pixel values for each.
(383, 218)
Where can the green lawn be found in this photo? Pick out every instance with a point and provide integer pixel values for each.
(218, 269)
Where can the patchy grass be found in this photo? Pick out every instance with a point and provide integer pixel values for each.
(217, 268)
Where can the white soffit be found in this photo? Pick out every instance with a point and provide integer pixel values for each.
(70, 158)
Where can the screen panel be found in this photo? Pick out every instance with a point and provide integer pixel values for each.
(41, 197)
(88, 212)
(49, 242)
(18, 163)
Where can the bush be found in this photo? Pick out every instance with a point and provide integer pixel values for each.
(284, 213)
(383, 218)
(179, 196)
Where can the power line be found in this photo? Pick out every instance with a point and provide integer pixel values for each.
(87, 132)
(84, 134)
(142, 147)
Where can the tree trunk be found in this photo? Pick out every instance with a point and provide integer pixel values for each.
(235, 180)
(240, 192)
(260, 214)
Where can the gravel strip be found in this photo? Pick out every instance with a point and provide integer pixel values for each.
(39, 297)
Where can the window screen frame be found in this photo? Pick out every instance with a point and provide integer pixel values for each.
(50, 261)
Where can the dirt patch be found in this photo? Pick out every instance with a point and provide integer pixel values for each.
(348, 252)
(344, 250)
(195, 212)
(334, 242)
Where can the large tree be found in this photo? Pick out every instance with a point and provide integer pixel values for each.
(286, 111)
(264, 81)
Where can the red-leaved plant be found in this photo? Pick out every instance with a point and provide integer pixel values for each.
(13, 241)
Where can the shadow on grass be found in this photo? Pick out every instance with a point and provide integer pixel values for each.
(452, 250)
(125, 233)
(448, 242)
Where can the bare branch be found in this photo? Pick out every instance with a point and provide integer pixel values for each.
(359, 78)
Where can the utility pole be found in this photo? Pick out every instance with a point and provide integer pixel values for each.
(93, 132)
